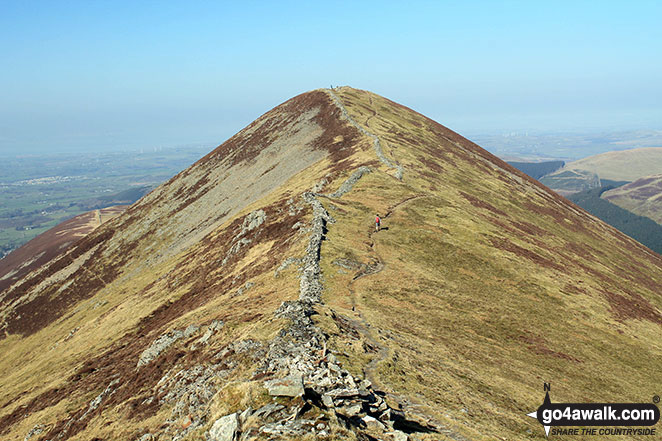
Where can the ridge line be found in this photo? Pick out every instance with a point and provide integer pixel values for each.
(399, 170)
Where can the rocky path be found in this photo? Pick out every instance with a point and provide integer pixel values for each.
(376, 142)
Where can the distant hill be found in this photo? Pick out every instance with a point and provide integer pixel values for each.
(567, 181)
(51, 244)
(537, 169)
(642, 197)
(622, 165)
(638, 227)
(126, 197)
(611, 168)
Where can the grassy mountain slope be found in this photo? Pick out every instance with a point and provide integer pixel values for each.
(52, 243)
(642, 197)
(482, 285)
(491, 283)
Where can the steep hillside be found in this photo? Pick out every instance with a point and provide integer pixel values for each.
(642, 197)
(250, 297)
(51, 244)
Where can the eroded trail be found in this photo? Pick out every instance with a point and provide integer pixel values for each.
(399, 170)
(360, 323)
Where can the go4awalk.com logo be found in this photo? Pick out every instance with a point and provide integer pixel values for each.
(628, 419)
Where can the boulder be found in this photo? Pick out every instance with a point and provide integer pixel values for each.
(291, 386)
(224, 429)
(397, 435)
(266, 410)
(373, 423)
(343, 393)
(327, 401)
(351, 410)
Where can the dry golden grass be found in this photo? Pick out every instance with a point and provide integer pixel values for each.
(482, 286)
(471, 331)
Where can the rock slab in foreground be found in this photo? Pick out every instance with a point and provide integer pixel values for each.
(224, 429)
(291, 386)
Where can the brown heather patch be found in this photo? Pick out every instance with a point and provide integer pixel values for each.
(432, 165)
(517, 233)
(642, 278)
(51, 244)
(244, 146)
(598, 275)
(545, 210)
(494, 221)
(581, 250)
(329, 118)
(538, 345)
(191, 194)
(645, 181)
(572, 288)
(529, 228)
(632, 306)
(83, 246)
(42, 401)
(479, 203)
(506, 245)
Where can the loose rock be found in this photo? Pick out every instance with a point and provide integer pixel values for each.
(224, 429)
(291, 386)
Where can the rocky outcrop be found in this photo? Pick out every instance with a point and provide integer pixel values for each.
(36, 430)
(252, 221)
(214, 326)
(349, 183)
(307, 371)
(164, 342)
(291, 386)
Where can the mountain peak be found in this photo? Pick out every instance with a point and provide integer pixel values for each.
(251, 295)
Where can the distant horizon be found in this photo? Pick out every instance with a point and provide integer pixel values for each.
(124, 75)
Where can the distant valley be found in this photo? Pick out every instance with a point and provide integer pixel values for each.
(39, 192)
(622, 188)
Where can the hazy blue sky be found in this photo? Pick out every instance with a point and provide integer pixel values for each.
(113, 75)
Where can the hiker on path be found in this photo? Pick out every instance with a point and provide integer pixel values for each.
(378, 222)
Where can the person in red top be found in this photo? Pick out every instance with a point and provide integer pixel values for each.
(378, 222)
